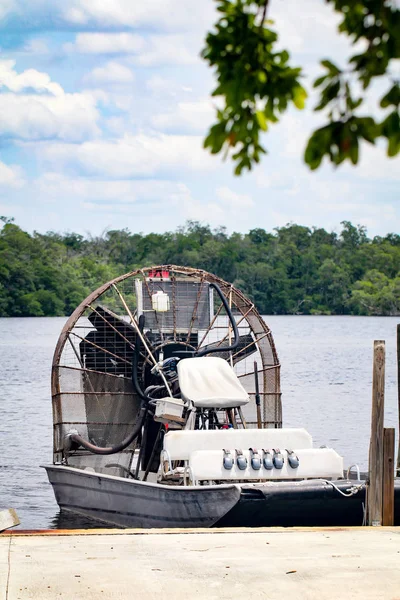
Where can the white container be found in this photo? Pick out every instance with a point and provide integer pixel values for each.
(169, 410)
(160, 301)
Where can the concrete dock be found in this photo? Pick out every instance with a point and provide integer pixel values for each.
(284, 564)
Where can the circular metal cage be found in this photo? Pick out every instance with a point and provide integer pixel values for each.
(92, 389)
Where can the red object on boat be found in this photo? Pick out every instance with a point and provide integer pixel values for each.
(158, 274)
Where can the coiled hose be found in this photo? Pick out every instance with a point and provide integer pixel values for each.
(144, 407)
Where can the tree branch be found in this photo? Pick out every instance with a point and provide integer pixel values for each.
(264, 14)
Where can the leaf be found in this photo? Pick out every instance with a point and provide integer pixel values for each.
(392, 97)
(313, 153)
(261, 119)
(284, 56)
(333, 69)
(299, 97)
(319, 81)
(354, 152)
(356, 103)
(391, 125)
(262, 76)
(328, 94)
(393, 146)
(368, 129)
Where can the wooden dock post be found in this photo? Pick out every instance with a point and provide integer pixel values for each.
(376, 444)
(398, 396)
(388, 477)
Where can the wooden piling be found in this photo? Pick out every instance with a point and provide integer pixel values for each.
(376, 444)
(388, 477)
(398, 396)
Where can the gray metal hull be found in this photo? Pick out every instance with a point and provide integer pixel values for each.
(130, 503)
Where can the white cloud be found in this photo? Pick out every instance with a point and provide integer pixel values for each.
(6, 8)
(116, 125)
(130, 156)
(167, 15)
(11, 176)
(209, 212)
(309, 31)
(295, 129)
(172, 49)
(36, 46)
(56, 185)
(375, 165)
(34, 107)
(106, 43)
(160, 85)
(103, 15)
(112, 72)
(187, 116)
(27, 80)
(118, 95)
(233, 200)
(145, 51)
(70, 117)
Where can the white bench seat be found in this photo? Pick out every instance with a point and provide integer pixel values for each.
(179, 445)
(207, 465)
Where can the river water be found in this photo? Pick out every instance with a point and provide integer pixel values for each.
(326, 384)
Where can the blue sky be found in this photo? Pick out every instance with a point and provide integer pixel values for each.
(104, 106)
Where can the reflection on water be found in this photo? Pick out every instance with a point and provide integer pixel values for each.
(326, 385)
(67, 520)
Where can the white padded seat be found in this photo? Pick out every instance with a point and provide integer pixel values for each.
(207, 465)
(179, 445)
(210, 382)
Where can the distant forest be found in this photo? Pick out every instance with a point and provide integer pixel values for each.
(293, 270)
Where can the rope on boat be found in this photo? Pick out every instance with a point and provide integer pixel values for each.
(351, 491)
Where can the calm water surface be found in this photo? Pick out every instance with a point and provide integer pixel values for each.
(326, 385)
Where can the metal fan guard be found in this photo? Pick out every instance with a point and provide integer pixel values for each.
(102, 404)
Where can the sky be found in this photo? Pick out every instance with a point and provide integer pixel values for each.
(104, 107)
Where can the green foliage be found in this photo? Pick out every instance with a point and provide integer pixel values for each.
(257, 84)
(376, 24)
(255, 81)
(294, 270)
(41, 303)
(376, 294)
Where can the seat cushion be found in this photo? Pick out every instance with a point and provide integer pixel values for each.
(180, 444)
(210, 382)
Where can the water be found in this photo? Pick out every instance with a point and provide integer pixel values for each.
(326, 385)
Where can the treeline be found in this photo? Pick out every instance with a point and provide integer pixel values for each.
(294, 270)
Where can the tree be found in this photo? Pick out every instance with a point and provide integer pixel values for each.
(257, 83)
(376, 295)
(293, 270)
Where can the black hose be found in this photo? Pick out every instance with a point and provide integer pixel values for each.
(233, 323)
(75, 437)
(135, 362)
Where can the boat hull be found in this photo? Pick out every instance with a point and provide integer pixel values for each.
(130, 503)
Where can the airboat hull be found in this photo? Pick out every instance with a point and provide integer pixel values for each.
(130, 503)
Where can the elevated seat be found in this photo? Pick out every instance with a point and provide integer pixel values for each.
(179, 445)
(207, 465)
(210, 382)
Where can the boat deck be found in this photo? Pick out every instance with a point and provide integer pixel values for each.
(319, 563)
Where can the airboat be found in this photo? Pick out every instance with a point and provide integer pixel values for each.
(167, 413)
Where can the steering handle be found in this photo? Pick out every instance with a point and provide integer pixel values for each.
(232, 321)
